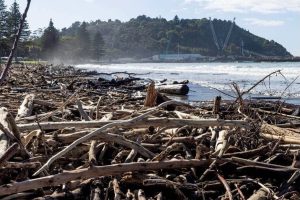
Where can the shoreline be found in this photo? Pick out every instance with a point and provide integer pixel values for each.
(217, 61)
(206, 80)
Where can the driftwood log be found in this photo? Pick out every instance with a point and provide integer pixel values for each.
(26, 107)
(6, 131)
(178, 89)
(170, 122)
(272, 132)
(96, 172)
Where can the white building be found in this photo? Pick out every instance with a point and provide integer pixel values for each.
(178, 57)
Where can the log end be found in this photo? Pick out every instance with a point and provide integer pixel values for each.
(184, 90)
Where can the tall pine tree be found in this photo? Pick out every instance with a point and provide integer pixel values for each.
(3, 16)
(3, 29)
(49, 40)
(13, 22)
(98, 46)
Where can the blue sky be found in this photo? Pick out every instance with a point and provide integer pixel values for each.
(272, 19)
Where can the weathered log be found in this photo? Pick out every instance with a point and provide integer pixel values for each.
(117, 190)
(45, 103)
(81, 111)
(214, 133)
(163, 182)
(159, 196)
(26, 107)
(120, 157)
(21, 165)
(129, 195)
(150, 100)
(63, 138)
(217, 105)
(92, 153)
(274, 133)
(221, 143)
(178, 89)
(131, 156)
(182, 115)
(166, 122)
(109, 137)
(261, 194)
(97, 171)
(12, 128)
(167, 151)
(96, 194)
(141, 195)
(10, 152)
(22, 195)
(4, 137)
(250, 153)
(4, 143)
(43, 116)
(276, 113)
(98, 107)
(247, 162)
(102, 153)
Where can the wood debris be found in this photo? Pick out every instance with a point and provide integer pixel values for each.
(67, 133)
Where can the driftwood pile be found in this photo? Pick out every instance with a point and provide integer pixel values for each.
(66, 134)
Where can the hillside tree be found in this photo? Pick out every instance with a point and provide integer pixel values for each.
(98, 46)
(84, 42)
(49, 40)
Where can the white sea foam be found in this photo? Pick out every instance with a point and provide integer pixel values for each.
(253, 69)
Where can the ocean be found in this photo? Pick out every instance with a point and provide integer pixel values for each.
(206, 80)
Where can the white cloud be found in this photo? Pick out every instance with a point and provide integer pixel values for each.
(262, 22)
(182, 9)
(260, 6)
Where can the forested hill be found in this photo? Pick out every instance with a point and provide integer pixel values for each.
(144, 36)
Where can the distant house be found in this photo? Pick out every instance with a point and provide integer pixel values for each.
(125, 60)
(3, 58)
(178, 57)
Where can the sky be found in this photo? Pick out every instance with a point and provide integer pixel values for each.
(272, 19)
